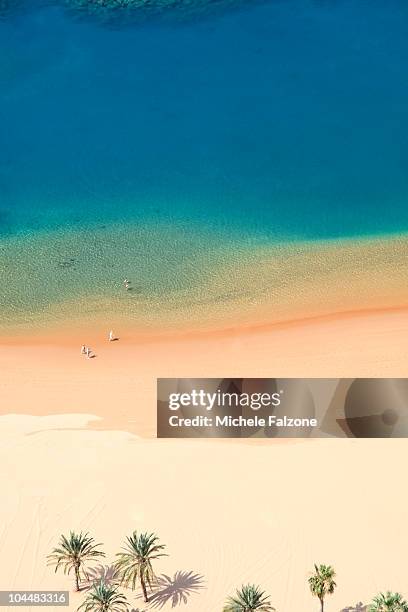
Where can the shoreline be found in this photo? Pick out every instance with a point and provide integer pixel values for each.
(310, 311)
(119, 384)
(63, 334)
(205, 289)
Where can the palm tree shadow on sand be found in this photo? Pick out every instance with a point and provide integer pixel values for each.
(175, 590)
(360, 607)
(106, 572)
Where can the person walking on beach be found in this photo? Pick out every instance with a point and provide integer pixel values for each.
(111, 336)
(88, 352)
(83, 349)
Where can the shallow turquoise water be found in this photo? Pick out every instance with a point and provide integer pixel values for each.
(275, 120)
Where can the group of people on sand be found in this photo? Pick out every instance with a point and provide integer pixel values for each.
(85, 350)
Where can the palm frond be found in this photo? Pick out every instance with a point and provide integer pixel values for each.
(74, 552)
(388, 602)
(104, 598)
(322, 582)
(135, 562)
(248, 598)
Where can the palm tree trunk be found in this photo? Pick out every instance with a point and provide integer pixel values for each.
(322, 605)
(142, 583)
(77, 578)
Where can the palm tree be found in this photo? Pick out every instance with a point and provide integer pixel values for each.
(388, 602)
(104, 598)
(136, 562)
(73, 553)
(248, 599)
(322, 582)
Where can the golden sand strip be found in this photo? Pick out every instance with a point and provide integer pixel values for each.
(119, 384)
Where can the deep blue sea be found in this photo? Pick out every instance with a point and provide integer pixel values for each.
(284, 118)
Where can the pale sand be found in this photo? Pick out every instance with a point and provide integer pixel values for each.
(227, 512)
(57, 473)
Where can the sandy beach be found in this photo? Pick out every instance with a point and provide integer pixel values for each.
(77, 453)
(195, 496)
(47, 375)
(78, 443)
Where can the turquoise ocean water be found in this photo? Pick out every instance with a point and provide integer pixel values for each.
(289, 116)
(277, 119)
